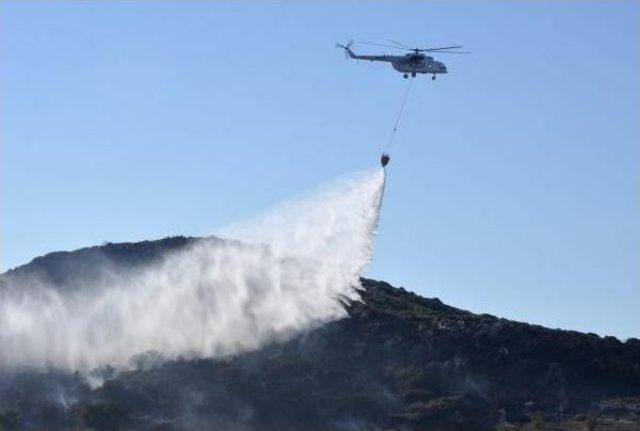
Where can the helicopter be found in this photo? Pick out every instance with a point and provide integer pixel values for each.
(411, 63)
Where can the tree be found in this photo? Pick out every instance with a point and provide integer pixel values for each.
(105, 416)
(592, 421)
(9, 420)
(537, 420)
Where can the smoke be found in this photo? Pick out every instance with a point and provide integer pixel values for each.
(282, 273)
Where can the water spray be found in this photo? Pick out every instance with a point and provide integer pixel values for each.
(281, 273)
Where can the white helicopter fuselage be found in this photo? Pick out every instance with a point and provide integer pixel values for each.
(423, 65)
(409, 63)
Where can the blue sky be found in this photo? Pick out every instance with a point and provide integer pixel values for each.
(514, 187)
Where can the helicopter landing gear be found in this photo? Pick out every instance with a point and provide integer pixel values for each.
(433, 78)
(413, 74)
(405, 76)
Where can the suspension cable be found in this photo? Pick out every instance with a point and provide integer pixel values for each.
(397, 122)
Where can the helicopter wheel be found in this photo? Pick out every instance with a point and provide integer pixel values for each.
(405, 76)
(433, 78)
(413, 74)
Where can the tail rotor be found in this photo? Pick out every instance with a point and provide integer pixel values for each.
(346, 47)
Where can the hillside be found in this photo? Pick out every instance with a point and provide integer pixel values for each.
(398, 362)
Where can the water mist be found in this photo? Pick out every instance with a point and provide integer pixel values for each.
(272, 277)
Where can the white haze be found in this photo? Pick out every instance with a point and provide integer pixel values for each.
(286, 274)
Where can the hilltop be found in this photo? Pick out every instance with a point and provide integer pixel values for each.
(397, 362)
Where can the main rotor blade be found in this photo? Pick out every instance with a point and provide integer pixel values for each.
(438, 49)
(453, 52)
(402, 45)
(384, 46)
